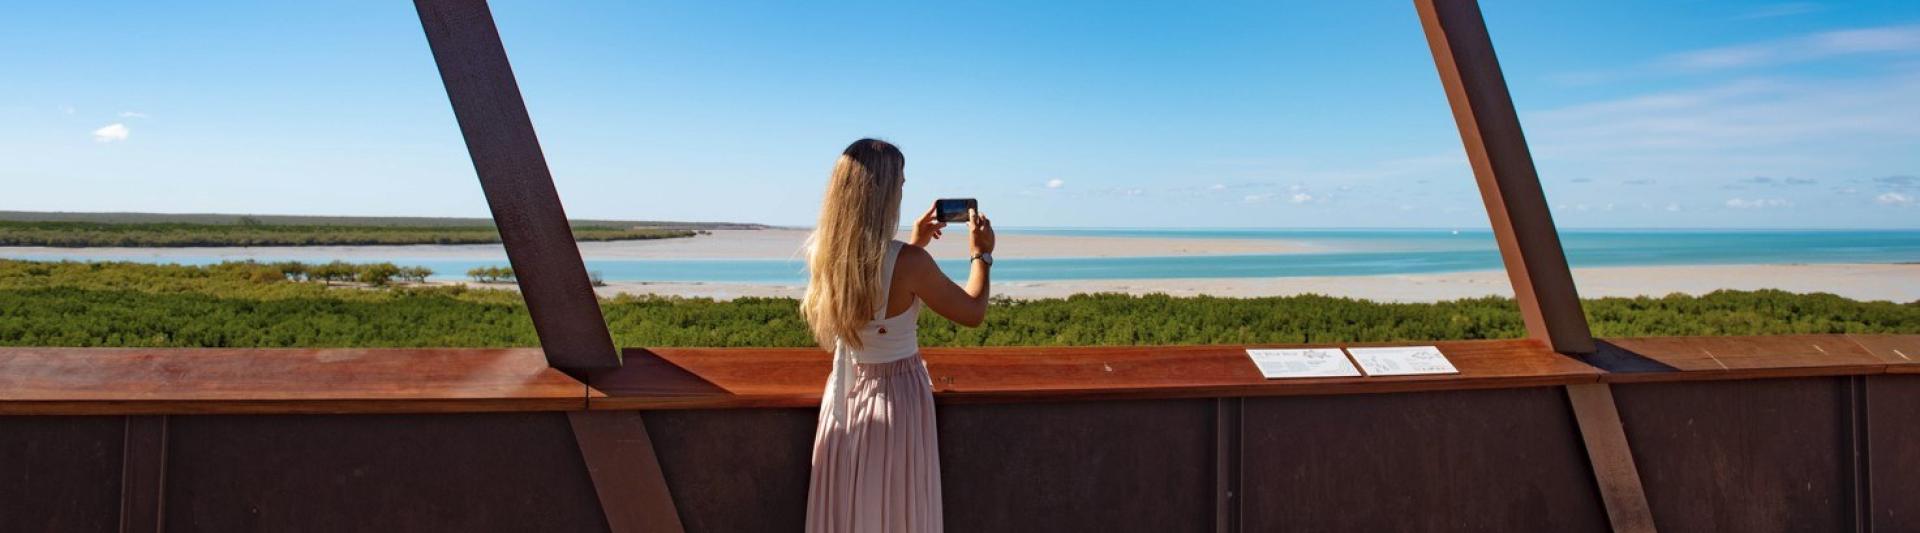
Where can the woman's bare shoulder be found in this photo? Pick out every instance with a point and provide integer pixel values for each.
(914, 262)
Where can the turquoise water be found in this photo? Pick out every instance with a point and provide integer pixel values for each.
(1338, 253)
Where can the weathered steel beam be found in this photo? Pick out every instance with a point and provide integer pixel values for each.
(1490, 129)
(626, 472)
(519, 188)
(1611, 456)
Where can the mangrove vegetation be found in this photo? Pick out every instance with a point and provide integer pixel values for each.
(268, 305)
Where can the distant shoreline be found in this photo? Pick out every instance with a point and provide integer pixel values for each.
(730, 263)
(1864, 282)
(153, 230)
(333, 220)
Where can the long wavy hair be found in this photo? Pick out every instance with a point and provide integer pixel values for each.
(858, 218)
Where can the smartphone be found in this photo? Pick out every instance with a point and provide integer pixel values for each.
(953, 209)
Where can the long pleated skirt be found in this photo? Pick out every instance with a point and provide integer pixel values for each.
(879, 469)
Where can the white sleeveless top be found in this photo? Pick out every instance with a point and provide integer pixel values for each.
(883, 340)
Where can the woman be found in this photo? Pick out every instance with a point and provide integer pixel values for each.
(876, 461)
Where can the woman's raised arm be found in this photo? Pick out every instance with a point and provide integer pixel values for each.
(965, 306)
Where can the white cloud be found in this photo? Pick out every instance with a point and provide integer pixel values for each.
(1897, 39)
(1894, 198)
(1218, 187)
(1781, 115)
(1257, 198)
(1758, 203)
(1673, 208)
(1882, 39)
(1055, 184)
(1300, 198)
(67, 109)
(111, 133)
(132, 114)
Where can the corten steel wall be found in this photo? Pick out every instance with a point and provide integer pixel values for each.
(1786, 454)
(445, 472)
(465, 472)
(1760, 455)
(1790, 454)
(60, 473)
(1489, 460)
(1893, 451)
(1493, 460)
(1748, 455)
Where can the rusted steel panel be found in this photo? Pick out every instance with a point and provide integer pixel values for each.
(1494, 460)
(60, 473)
(1750, 455)
(1611, 457)
(1227, 453)
(449, 472)
(1509, 185)
(1893, 451)
(143, 473)
(1064, 466)
(736, 470)
(626, 473)
(1079, 466)
(519, 187)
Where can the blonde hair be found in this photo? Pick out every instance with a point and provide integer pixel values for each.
(858, 218)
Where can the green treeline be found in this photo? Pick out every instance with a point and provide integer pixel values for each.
(492, 274)
(236, 304)
(251, 232)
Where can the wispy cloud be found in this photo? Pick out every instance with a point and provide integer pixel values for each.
(132, 114)
(1897, 40)
(1895, 199)
(1886, 39)
(1055, 184)
(1760, 203)
(1897, 182)
(1766, 181)
(1747, 113)
(67, 109)
(1300, 198)
(114, 132)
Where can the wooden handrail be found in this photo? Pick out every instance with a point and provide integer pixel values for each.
(98, 381)
(85, 381)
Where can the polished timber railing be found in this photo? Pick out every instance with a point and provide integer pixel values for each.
(1801, 432)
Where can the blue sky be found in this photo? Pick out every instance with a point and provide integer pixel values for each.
(1326, 114)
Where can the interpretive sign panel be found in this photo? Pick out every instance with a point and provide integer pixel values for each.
(1402, 360)
(1302, 363)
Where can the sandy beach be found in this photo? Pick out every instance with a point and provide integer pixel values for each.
(1899, 283)
(719, 244)
(1896, 282)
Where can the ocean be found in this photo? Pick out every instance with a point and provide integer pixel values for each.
(1332, 253)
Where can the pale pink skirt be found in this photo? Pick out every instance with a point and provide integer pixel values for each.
(878, 470)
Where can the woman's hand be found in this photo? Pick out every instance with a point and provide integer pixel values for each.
(981, 232)
(928, 227)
